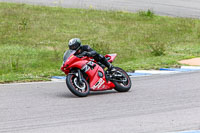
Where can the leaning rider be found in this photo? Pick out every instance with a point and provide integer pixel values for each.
(75, 44)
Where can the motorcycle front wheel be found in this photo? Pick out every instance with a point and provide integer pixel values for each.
(77, 88)
(126, 84)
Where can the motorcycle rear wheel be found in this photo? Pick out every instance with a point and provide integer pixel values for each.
(78, 89)
(125, 86)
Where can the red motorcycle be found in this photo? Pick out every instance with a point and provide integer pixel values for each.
(84, 74)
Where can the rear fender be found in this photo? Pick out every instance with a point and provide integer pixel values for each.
(110, 57)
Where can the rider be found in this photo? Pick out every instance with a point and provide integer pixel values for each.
(75, 44)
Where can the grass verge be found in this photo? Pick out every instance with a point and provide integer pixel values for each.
(34, 38)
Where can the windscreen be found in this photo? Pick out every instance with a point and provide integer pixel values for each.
(67, 54)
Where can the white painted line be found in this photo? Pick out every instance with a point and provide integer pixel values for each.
(139, 76)
(27, 83)
(58, 80)
(190, 67)
(192, 131)
(156, 72)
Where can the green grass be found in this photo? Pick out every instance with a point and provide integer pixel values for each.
(34, 38)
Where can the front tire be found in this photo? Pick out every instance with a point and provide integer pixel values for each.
(124, 86)
(78, 89)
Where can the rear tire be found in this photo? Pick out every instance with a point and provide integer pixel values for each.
(125, 86)
(80, 90)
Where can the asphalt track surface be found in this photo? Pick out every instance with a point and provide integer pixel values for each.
(155, 104)
(181, 8)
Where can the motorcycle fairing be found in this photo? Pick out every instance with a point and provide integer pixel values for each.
(96, 81)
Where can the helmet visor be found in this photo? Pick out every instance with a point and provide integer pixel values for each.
(73, 47)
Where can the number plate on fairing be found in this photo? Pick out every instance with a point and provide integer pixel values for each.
(99, 83)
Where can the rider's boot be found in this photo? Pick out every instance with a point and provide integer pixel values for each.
(109, 66)
(105, 62)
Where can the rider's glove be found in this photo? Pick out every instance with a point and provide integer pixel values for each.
(88, 54)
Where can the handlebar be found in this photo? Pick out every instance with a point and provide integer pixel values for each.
(81, 55)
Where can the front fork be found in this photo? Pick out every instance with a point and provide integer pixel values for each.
(78, 74)
(80, 77)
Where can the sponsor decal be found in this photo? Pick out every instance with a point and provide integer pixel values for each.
(87, 67)
(99, 83)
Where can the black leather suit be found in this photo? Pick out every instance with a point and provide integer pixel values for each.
(97, 57)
